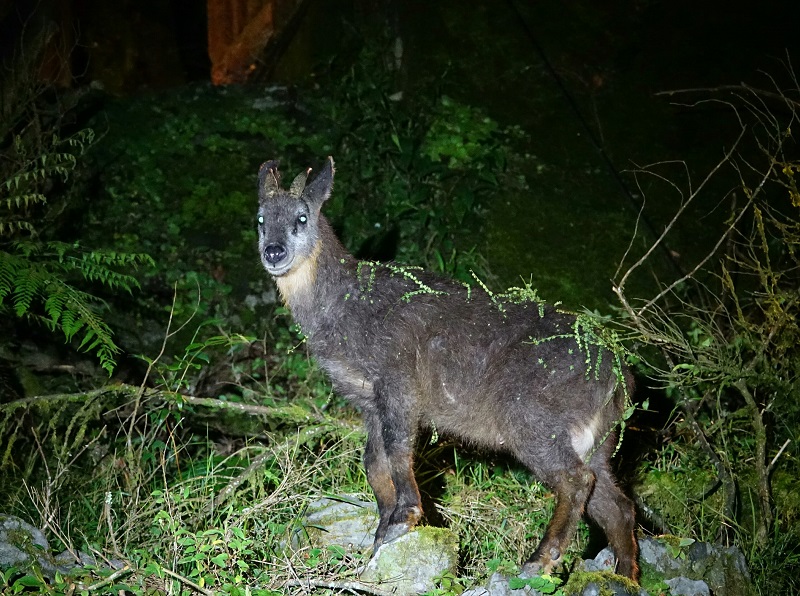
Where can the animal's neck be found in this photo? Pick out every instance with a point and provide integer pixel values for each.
(305, 289)
(298, 285)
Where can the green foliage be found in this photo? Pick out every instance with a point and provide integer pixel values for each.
(424, 168)
(181, 509)
(38, 277)
(447, 584)
(27, 172)
(460, 134)
(545, 584)
(36, 284)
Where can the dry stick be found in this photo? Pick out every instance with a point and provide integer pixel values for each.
(777, 455)
(618, 287)
(741, 86)
(187, 581)
(352, 586)
(113, 577)
(254, 409)
(110, 523)
(765, 521)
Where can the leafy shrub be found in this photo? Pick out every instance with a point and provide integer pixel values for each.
(724, 344)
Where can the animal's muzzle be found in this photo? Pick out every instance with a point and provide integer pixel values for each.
(275, 253)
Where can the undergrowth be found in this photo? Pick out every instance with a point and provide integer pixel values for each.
(179, 493)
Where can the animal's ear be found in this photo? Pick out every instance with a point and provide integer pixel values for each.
(269, 179)
(320, 188)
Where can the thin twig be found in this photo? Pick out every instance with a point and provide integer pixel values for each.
(777, 455)
(187, 581)
(351, 586)
(110, 522)
(740, 87)
(111, 578)
(150, 366)
(672, 223)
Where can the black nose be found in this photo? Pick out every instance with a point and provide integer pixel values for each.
(274, 253)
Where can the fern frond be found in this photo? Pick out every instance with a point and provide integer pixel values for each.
(9, 264)
(108, 277)
(27, 283)
(10, 227)
(71, 310)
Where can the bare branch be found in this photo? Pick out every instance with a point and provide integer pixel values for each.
(619, 287)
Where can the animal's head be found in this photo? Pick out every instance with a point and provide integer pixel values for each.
(288, 220)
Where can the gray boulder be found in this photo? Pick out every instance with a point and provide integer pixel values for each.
(410, 564)
(723, 570)
(683, 586)
(24, 546)
(346, 522)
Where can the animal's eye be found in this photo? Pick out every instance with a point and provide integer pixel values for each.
(302, 219)
(261, 219)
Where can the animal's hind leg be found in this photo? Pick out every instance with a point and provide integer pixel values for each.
(614, 513)
(572, 484)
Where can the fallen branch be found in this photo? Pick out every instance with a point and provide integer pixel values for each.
(350, 586)
(111, 578)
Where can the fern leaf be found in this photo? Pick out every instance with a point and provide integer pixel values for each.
(27, 283)
(54, 305)
(8, 268)
(9, 228)
(23, 201)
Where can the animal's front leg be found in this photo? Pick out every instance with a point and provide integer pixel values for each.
(379, 475)
(393, 465)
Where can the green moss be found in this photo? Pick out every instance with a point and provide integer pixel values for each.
(579, 580)
(400, 560)
(651, 580)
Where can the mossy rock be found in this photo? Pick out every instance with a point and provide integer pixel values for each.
(24, 547)
(411, 564)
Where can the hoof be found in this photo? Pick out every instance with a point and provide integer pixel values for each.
(540, 564)
(531, 569)
(395, 531)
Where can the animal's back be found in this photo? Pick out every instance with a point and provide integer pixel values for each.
(465, 356)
